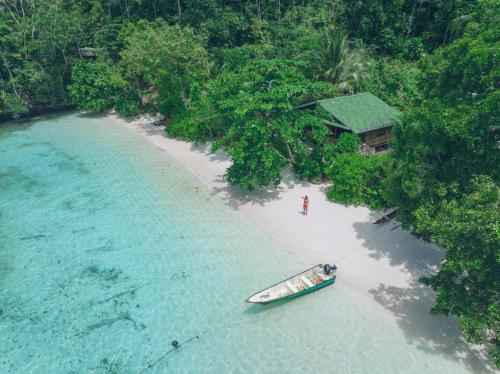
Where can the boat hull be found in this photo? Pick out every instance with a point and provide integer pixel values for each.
(300, 293)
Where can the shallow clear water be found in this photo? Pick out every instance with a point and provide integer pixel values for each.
(109, 250)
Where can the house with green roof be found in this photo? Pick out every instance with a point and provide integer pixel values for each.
(363, 114)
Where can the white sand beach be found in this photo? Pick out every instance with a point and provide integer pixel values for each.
(367, 254)
(382, 261)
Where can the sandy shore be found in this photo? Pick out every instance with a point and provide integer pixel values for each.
(382, 261)
(367, 254)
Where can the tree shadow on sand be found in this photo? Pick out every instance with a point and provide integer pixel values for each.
(206, 149)
(234, 196)
(411, 304)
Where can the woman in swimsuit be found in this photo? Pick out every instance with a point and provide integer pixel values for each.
(306, 205)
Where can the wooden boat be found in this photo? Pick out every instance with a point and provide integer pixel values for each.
(303, 283)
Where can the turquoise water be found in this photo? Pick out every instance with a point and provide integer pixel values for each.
(109, 250)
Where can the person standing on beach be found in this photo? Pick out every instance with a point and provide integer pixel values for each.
(305, 206)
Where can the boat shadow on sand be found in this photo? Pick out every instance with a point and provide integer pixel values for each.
(410, 305)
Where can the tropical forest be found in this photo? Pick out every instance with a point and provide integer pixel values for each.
(240, 75)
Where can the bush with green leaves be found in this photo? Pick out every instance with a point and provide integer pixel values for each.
(13, 104)
(412, 49)
(358, 179)
(346, 143)
(93, 85)
(96, 86)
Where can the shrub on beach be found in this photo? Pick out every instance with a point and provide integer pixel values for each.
(358, 179)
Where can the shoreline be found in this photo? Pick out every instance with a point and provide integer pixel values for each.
(330, 233)
(383, 262)
(36, 112)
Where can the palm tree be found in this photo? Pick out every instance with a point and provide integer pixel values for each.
(339, 63)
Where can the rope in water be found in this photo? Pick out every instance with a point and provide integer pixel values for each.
(151, 365)
(195, 337)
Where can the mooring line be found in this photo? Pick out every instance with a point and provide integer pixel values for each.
(151, 365)
(213, 328)
(366, 242)
(177, 346)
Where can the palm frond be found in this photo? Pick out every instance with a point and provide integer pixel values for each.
(337, 62)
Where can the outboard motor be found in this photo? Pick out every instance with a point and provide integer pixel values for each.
(328, 269)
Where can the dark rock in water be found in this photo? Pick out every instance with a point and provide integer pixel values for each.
(108, 275)
(181, 274)
(118, 295)
(111, 321)
(109, 367)
(85, 229)
(107, 247)
(33, 237)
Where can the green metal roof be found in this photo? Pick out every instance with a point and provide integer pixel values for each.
(361, 112)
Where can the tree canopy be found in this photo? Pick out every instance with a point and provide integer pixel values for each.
(445, 178)
(251, 114)
(236, 73)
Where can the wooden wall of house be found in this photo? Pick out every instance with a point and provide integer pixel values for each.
(377, 137)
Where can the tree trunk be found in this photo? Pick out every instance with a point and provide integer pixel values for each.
(411, 19)
(292, 159)
(126, 9)
(11, 77)
(184, 97)
(11, 13)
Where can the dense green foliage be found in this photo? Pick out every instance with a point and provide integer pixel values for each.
(337, 62)
(251, 113)
(357, 179)
(169, 59)
(468, 282)
(446, 177)
(408, 27)
(37, 42)
(40, 40)
(234, 73)
(93, 86)
(392, 80)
